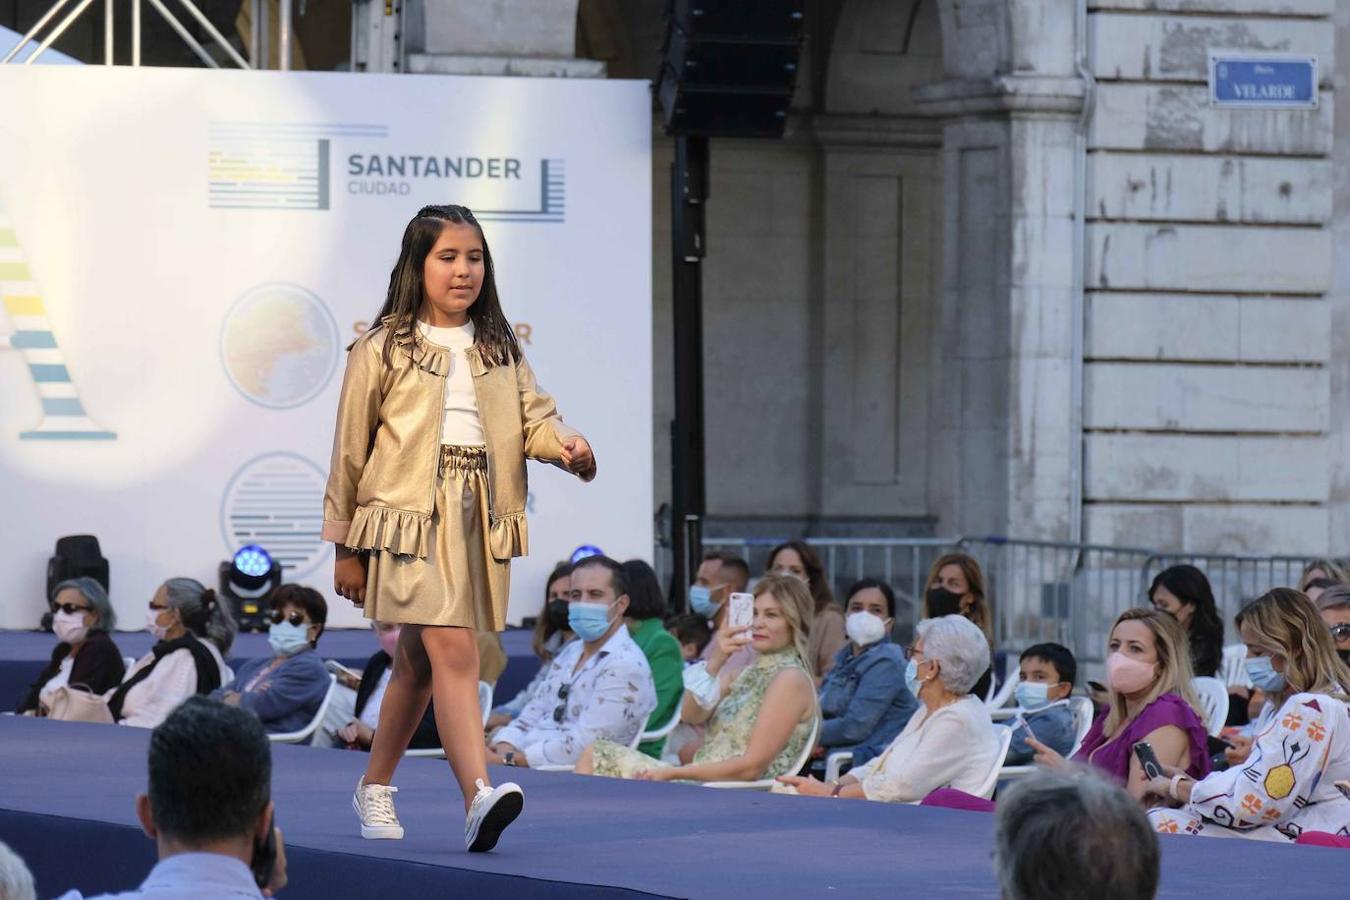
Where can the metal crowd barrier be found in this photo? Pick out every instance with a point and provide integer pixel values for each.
(1039, 590)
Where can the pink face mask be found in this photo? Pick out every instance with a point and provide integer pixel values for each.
(1126, 675)
(388, 640)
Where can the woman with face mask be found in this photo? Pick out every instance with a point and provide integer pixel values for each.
(1148, 678)
(359, 731)
(863, 700)
(193, 631)
(85, 655)
(285, 691)
(1287, 784)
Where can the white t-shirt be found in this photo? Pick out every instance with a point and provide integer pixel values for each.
(460, 424)
(370, 713)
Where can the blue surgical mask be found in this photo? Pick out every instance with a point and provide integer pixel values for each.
(700, 601)
(1032, 694)
(1264, 676)
(912, 678)
(287, 639)
(588, 621)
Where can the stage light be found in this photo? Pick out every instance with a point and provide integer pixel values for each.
(584, 551)
(247, 581)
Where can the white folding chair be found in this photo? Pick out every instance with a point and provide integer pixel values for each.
(1011, 675)
(304, 734)
(764, 784)
(1233, 669)
(1213, 696)
(835, 761)
(129, 661)
(991, 780)
(660, 733)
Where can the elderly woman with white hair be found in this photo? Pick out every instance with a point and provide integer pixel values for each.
(949, 742)
(85, 655)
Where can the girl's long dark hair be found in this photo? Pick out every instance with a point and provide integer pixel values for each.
(1205, 632)
(493, 335)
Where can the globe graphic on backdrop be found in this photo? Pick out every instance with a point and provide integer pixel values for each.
(279, 345)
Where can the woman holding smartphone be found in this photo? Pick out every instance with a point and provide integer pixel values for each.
(1287, 785)
(1148, 679)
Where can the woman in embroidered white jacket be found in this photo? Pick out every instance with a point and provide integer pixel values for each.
(1287, 784)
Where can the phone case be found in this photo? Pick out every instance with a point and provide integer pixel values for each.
(742, 612)
(1148, 759)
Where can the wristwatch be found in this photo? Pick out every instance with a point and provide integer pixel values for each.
(509, 758)
(837, 788)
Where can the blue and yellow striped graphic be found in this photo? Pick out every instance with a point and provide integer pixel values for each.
(63, 414)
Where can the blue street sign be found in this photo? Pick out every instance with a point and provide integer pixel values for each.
(1262, 80)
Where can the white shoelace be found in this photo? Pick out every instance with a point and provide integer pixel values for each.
(378, 800)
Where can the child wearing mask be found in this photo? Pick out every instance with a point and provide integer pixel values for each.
(1047, 677)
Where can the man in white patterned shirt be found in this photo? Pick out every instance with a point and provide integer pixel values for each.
(597, 687)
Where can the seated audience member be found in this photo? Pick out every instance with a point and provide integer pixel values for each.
(864, 703)
(1334, 607)
(1068, 835)
(599, 686)
(1333, 570)
(551, 631)
(1047, 674)
(758, 722)
(16, 882)
(359, 732)
(193, 629)
(646, 612)
(956, 587)
(286, 690)
(1287, 783)
(209, 807)
(692, 633)
(796, 558)
(949, 741)
(1183, 592)
(85, 656)
(718, 577)
(1148, 678)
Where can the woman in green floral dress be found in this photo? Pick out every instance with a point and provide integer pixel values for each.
(757, 723)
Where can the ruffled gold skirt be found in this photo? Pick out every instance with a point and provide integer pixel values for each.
(459, 582)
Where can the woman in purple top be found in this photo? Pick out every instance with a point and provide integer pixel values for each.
(1148, 675)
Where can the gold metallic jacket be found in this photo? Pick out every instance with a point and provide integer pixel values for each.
(386, 448)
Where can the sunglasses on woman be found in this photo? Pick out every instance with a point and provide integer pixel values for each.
(69, 608)
(1341, 632)
(295, 618)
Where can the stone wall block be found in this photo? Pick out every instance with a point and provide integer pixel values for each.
(1176, 48)
(1176, 467)
(1246, 399)
(1161, 187)
(1209, 258)
(1179, 118)
(1311, 8)
(1206, 327)
(1220, 528)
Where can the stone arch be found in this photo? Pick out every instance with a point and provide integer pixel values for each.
(880, 51)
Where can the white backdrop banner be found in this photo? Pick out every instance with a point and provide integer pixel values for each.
(184, 256)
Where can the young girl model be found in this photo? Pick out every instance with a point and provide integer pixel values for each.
(426, 500)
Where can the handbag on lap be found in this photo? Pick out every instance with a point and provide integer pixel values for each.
(75, 705)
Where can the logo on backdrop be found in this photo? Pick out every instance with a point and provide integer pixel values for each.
(279, 345)
(276, 501)
(63, 414)
(290, 166)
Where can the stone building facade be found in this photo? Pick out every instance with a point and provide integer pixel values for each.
(1008, 272)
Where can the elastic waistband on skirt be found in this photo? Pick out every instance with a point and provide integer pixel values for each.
(456, 458)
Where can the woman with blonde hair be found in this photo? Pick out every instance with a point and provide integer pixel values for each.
(758, 722)
(1148, 677)
(1287, 784)
(1334, 570)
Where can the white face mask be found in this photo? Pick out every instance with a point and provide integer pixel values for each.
(159, 631)
(864, 628)
(69, 627)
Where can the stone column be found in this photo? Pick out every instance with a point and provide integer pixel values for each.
(1003, 436)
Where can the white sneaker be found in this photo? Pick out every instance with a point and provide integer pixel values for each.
(374, 803)
(489, 814)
